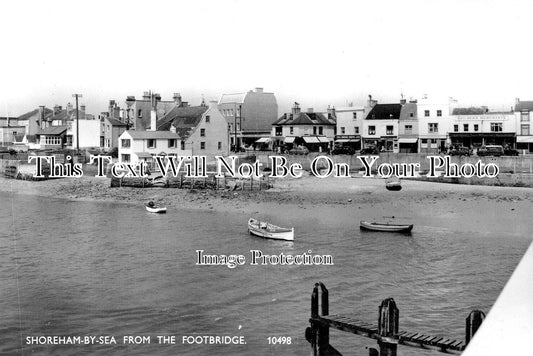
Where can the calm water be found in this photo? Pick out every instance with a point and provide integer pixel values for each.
(82, 268)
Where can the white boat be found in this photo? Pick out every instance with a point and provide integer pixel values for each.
(156, 209)
(269, 231)
(386, 227)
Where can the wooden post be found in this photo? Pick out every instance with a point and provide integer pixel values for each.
(181, 180)
(388, 327)
(473, 322)
(373, 352)
(312, 334)
(323, 331)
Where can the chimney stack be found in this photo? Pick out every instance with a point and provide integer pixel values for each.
(177, 99)
(41, 116)
(258, 90)
(82, 107)
(296, 109)
(146, 95)
(371, 103)
(309, 110)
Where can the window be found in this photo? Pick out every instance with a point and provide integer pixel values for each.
(207, 118)
(476, 127)
(182, 145)
(140, 113)
(433, 141)
(439, 112)
(356, 129)
(371, 130)
(411, 114)
(426, 113)
(150, 143)
(424, 143)
(496, 127)
(390, 130)
(455, 128)
(126, 143)
(433, 127)
(172, 143)
(202, 145)
(355, 116)
(107, 142)
(219, 145)
(52, 140)
(320, 130)
(465, 127)
(202, 132)
(291, 129)
(125, 158)
(524, 116)
(408, 129)
(314, 130)
(107, 128)
(524, 129)
(343, 130)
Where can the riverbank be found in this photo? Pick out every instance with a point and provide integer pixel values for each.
(485, 208)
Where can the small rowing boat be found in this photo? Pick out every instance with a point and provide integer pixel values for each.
(373, 226)
(269, 231)
(393, 185)
(152, 208)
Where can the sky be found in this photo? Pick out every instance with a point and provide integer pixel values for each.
(317, 53)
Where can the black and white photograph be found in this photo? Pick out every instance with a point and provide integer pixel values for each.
(246, 177)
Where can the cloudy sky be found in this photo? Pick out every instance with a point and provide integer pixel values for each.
(313, 52)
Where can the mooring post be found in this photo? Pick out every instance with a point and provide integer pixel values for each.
(388, 327)
(373, 352)
(323, 331)
(311, 333)
(473, 322)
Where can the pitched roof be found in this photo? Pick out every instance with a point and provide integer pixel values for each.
(407, 110)
(67, 115)
(384, 112)
(47, 113)
(232, 98)
(142, 135)
(115, 122)
(184, 119)
(304, 118)
(524, 106)
(53, 130)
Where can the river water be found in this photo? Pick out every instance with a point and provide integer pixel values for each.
(109, 269)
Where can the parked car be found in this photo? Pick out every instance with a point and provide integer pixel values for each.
(239, 149)
(460, 151)
(490, 150)
(302, 150)
(508, 151)
(343, 150)
(369, 151)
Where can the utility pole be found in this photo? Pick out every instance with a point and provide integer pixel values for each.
(77, 123)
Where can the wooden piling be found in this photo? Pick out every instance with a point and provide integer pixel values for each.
(473, 322)
(388, 327)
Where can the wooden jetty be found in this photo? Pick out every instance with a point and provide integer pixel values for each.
(386, 331)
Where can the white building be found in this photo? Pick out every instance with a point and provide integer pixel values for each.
(433, 124)
(349, 125)
(135, 146)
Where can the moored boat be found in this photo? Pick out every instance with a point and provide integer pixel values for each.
(152, 208)
(386, 227)
(269, 231)
(393, 185)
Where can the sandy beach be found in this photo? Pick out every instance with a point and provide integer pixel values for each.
(488, 208)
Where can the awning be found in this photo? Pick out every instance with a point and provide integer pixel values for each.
(323, 139)
(143, 155)
(263, 140)
(289, 139)
(524, 139)
(311, 139)
(407, 140)
(343, 140)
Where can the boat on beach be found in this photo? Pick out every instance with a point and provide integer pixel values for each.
(393, 185)
(269, 231)
(385, 227)
(152, 208)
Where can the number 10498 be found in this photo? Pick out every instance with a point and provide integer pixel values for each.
(279, 340)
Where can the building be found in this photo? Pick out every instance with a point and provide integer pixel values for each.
(523, 112)
(137, 112)
(380, 127)
(135, 146)
(433, 124)
(313, 130)
(475, 127)
(349, 125)
(408, 127)
(10, 131)
(249, 115)
(202, 129)
(33, 122)
(111, 130)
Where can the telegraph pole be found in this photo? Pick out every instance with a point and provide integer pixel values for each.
(77, 123)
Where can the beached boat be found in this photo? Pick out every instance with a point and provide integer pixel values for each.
(155, 209)
(393, 185)
(269, 231)
(386, 227)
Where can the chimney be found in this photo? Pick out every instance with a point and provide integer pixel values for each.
(41, 116)
(331, 112)
(146, 95)
(177, 99)
(184, 104)
(69, 108)
(296, 109)
(258, 90)
(371, 103)
(153, 120)
(57, 109)
(82, 107)
(517, 100)
(309, 110)
(130, 99)
(403, 101)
